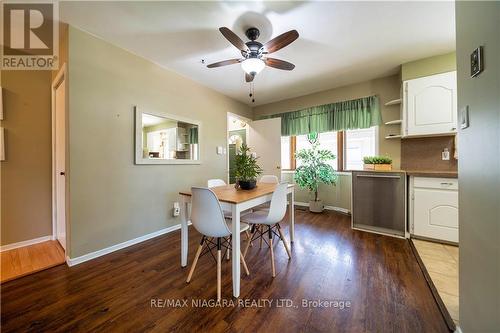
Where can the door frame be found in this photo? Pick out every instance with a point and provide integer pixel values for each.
(243, 118)
(60, 78)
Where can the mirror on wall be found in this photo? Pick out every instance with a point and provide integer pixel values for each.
(162, 138)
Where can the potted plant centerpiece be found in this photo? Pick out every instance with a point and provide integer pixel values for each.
(246, 168)
(377, 163)
(314, 170)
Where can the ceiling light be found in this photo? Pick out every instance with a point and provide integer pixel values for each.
(253, 66)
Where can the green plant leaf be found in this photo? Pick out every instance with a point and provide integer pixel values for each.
(245, 165)
(377, 160)
(314, 168)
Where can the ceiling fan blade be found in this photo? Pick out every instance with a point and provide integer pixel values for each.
(224, 63)
(279, 64)
(249, 77)
(234, 39)
(281, 41)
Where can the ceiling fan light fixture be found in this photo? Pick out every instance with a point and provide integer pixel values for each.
(253, 66)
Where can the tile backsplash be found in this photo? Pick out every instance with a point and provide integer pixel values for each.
(425, 153)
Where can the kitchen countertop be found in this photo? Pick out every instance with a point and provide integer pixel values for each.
(419, 173)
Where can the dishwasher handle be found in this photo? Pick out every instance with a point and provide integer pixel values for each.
(379, 176)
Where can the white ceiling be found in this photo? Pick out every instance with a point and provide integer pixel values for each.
(340, 42)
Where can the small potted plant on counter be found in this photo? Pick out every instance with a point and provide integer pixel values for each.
(377, 163)
(314, 170)
(246, 168)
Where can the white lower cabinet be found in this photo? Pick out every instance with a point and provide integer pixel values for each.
(434, 208)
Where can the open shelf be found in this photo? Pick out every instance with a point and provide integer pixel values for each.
(395, 136)
(393, 102)
(394, 122)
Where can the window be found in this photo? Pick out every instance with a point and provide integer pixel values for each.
(285, 153)
(349, 147)
(358, 144)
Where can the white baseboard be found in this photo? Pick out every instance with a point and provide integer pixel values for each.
(116, 247)
(337, 209)
(25, 243)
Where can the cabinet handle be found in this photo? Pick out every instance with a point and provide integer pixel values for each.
(453, 128)
(448, 184)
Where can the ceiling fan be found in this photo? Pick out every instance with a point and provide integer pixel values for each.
(255, 54)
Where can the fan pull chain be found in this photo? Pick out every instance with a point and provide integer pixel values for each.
(252, 92)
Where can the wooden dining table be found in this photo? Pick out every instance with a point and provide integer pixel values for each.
(235, 201)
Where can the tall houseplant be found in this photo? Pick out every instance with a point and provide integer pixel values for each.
(246, 168)
(314, 170)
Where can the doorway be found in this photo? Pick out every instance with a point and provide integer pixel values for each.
(59, 109)
(237, 134)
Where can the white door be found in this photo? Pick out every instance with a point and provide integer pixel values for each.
(264, 138)
(431, 104)
(59, 102)
(435, 214)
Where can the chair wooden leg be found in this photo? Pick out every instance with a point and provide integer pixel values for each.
(244, 263)
(272, 251)
(253, 229)
(196, 257)
(228, 252)
(283, 239)
(219, 254)
(249, 237)
(261, 235)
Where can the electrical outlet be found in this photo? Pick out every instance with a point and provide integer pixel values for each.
(177, 209)
(445, 155)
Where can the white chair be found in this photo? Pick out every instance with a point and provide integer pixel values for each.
(227, 214)
(269, 219)
(270, 179)
(207, 217)
(215, 182)
(219, 182)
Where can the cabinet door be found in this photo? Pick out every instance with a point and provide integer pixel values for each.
(431, 105)
(435, 213)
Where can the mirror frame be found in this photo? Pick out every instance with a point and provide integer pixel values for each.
(139, 159)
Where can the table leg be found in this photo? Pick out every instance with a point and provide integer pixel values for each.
(236, 249)
(292, 216)
(184, 232)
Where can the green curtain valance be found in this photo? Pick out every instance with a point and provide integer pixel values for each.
(193, 135)
(357, 113)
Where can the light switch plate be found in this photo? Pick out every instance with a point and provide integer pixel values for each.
(219, 150)
(464, 117)
(476, 62)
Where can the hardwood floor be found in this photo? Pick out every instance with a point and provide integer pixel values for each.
(378, 275)
(30, 259)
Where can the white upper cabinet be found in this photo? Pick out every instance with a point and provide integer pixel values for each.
(430, 105)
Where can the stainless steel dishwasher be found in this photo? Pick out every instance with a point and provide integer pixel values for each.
(379, 202)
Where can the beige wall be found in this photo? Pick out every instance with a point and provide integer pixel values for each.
(478, 23)
(26, 176)
(113, 200)
(26, 183)
(429, 66)
(387, 88)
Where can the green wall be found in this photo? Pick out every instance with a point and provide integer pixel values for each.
(478, 23)
(113, 200)
(428, 66)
